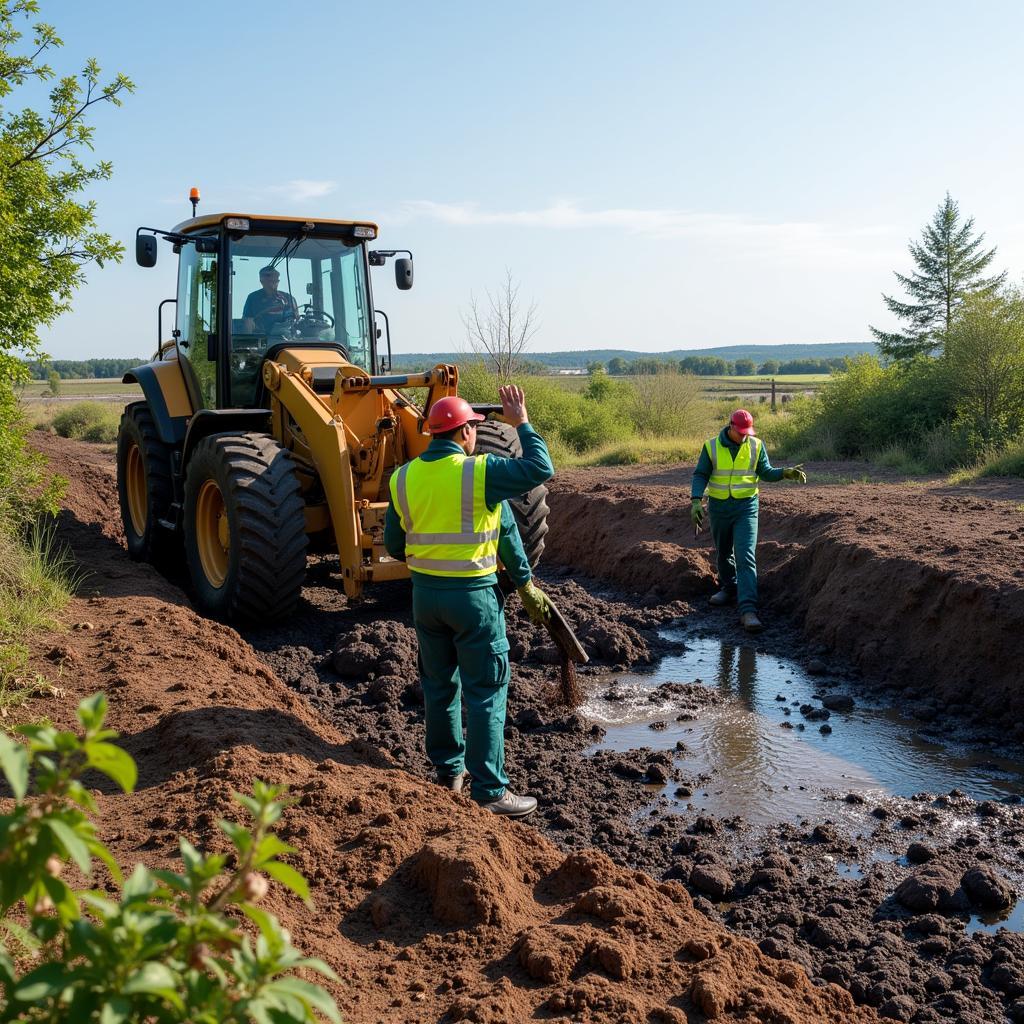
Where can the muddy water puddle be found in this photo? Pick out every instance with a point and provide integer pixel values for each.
(757, 755)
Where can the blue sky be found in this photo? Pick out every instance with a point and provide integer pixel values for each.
(656, 176)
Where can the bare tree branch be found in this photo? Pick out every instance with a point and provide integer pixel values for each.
(502, 331)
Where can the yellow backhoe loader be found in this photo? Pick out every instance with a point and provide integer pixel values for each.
(271, 423)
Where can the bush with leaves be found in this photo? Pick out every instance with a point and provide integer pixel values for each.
(166, 950)
(26, 490)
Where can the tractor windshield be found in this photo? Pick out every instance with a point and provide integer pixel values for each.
(295, 289)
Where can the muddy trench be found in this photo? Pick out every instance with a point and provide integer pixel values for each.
(819, 811)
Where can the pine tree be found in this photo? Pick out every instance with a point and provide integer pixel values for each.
(950, 263)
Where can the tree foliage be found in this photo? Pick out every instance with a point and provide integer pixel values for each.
(77, 369)
(950, 264)
(48, 233)
(985, 356)
(164, 951)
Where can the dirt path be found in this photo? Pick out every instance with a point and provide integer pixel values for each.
(428, 908)
(841, 566)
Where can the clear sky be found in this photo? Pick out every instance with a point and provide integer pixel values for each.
(656, 175)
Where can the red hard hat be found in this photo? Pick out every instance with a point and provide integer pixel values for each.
(742, 422)
(450, 413)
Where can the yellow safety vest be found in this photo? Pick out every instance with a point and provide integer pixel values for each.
(736, 478)
(449, 530)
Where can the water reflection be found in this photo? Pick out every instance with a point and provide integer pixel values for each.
(767, 765)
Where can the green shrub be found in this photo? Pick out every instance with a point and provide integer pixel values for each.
(666, 404)
(37, 580)
(869, 408)
(26, 490)
(164, 950)
(88, 421)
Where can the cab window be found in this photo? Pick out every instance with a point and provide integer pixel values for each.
(290, 289)
(196, 321)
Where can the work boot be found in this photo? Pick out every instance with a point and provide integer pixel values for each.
(722, 598)
(750, 622)
(454, 782)
(512, 806)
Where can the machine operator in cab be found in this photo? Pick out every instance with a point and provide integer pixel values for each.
(267, 308)
(449, 521)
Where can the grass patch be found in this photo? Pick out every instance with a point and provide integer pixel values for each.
(86, 421)
(37, 580)
(895, 457)
(1006, 463)
(35, 390)
(638, 452)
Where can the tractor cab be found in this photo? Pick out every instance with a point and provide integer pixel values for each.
(250, 286)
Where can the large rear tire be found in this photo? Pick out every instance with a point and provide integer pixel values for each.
(531, 509)
(245, 528)
(144, 488)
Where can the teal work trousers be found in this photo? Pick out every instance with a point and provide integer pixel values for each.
(734, 531)
(463, 660)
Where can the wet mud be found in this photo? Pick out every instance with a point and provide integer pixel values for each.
(898, 900)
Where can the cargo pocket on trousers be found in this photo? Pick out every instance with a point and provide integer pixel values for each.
(499, 667)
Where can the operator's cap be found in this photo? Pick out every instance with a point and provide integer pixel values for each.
(742, 422)
(450, 414)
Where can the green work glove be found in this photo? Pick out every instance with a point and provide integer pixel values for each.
(795, 473)
(535, 602)
(696, 513)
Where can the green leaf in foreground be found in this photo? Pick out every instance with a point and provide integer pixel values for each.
(289, 877)
(14, 763)
(113, 762)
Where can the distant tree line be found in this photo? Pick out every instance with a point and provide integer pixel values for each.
(67, 369)
(716, 366)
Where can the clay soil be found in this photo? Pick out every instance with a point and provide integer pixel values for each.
(602, 907)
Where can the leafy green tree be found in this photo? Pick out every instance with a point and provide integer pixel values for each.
(617, 366)
(769, 367)
(744, 368)
(595, 366)
(48, 232)
(985, 354)
(950, 264)
(165, 951)
(600, 386)
(53, 382)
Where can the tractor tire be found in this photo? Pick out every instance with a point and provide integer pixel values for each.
(144, 489)
(245, 528)
(531, 509)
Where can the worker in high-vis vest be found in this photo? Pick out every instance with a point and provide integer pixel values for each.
(450, 522)
(729, 468)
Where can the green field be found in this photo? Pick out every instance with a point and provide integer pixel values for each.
(785, 383)
(75, 390)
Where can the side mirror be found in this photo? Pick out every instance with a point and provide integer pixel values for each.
(145, 250)
(403, 273)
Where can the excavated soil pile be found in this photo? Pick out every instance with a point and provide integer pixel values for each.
(428, 908)
(921, 587)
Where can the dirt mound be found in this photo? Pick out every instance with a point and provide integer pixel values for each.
(426, 905)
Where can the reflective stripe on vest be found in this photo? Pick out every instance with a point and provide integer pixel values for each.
(449, 530)
(736, 478)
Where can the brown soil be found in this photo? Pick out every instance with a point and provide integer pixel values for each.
(428, 908)
(921, 586)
